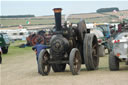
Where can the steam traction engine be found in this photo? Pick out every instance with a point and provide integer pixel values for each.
(69, 45)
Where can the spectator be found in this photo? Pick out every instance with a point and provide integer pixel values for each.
(119, 27)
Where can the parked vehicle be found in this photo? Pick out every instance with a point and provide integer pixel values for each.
(100, 37)
(105, 29)
(4, 42)
(18, 34)
(119, 51)
(43, 35)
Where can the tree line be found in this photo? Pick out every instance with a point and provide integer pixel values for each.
(17, 16)
(107, 9)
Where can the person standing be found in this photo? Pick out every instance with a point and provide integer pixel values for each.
(120, 27)
(37, 48)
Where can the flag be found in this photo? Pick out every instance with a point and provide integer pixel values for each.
(28, 22)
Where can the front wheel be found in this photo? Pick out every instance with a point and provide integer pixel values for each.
(5, 50)
(75, 61)
(113, 62)
(43, 65)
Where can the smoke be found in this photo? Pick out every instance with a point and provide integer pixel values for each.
(66, 16)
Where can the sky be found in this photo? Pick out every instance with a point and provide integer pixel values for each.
(41, 8)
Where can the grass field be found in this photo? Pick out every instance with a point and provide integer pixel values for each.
(12, 22)
(14, 50)
(74, 18)
(17, 22)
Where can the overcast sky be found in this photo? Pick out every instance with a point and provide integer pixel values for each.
(40, 8)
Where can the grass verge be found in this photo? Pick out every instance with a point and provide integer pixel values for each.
(14, 50)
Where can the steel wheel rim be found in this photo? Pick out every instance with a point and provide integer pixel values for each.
(46, 65)
(95, 53)
(77, 62)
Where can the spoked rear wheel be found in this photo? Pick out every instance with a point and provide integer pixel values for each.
(75, 61)
(43, 65)
(90, 50)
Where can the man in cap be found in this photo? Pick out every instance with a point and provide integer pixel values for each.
(37, 48)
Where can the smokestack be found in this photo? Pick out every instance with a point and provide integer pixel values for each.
(57, 14)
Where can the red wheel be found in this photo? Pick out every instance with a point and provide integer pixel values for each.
(34, 40)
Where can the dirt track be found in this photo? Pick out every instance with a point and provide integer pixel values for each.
(22, 70)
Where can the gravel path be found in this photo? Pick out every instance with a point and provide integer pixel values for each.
(22, 70)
